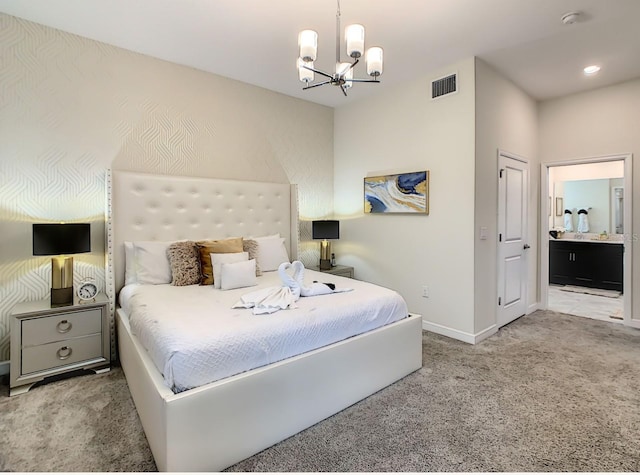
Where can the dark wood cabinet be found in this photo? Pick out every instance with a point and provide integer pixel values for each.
(587, 264)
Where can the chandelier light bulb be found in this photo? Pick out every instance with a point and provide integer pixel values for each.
(341, 68)
(305, 75)
(346, 71)
(308, 44)
(374, 61)
(354, 35)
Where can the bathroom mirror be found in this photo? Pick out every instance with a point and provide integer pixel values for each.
(602, 199)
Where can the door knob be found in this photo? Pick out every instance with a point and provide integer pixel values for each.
(526, 246)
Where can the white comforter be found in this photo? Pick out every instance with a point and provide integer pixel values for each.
(194, 337)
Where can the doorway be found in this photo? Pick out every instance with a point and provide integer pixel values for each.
(585, 237)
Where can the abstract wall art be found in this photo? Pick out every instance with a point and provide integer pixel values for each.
(401, 193)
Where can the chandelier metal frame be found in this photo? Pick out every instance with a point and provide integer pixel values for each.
(342, 77)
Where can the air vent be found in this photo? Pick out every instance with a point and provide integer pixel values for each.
(443, 86)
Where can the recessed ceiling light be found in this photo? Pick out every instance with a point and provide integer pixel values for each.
(570, 18)
(591, 70)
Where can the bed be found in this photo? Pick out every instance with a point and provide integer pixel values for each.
(214, 425)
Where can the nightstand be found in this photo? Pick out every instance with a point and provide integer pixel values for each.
(344, 271)
(47, 341)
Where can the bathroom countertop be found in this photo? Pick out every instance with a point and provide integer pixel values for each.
(596, 240)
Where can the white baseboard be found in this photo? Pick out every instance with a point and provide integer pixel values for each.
(4, 367)
(472, 338)
(486, 333)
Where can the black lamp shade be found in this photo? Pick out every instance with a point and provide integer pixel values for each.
(56, 239)
(326, 229)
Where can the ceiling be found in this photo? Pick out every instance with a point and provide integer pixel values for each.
(255, 41)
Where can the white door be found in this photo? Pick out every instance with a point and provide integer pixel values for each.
(513, 189)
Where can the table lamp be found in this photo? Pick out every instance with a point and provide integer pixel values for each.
(325, 229)
(59, 240)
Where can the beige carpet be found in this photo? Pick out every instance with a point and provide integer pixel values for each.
(549, 392)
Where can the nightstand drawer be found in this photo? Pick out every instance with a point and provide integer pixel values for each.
(344, 273)
(36, 331)
(62, 353)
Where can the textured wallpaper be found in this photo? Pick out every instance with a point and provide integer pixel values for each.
(70, 108)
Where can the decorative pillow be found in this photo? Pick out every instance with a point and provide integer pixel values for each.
(238, 274)
(271, 252)
(220, 246)
(251, 246)
(151, 262)
(229, 258)
(184, 260)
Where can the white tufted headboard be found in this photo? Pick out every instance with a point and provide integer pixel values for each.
(145, 207)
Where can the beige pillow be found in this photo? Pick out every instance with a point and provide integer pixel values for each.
(184, 259)
(220, 246)
(252, 247)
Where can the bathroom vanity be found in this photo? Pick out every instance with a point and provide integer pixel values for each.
(586, 263)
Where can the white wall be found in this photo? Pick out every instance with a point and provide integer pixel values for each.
(506, 119)
(402, 129)
(602, 122)
(588, 171)
(71, 108)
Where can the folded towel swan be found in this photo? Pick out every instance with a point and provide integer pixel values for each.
(294, 282)
(272, 299)
(267, 300)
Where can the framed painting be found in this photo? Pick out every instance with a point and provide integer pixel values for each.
(401, 193)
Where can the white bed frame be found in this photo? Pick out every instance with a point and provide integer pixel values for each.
(217, 425)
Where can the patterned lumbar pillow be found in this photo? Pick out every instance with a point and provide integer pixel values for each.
(185, 263)
(252, 247)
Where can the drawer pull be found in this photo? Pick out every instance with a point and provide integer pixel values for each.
(64, 353)
(64, 326)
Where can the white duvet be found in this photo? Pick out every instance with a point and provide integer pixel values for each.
(194, 337)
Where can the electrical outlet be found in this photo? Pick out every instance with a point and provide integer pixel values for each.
(425, 291)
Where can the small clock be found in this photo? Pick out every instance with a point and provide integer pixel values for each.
(87, 290)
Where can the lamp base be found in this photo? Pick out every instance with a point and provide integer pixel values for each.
(61, 281)
(62, 297)
(325, 255)
(325, 264)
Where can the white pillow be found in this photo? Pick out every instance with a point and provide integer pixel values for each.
(227, 258)
(238, 274)
(151, 262)
(271, 252)
(129, 264)
(270, 236)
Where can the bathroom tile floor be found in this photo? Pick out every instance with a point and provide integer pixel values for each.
(586, 305)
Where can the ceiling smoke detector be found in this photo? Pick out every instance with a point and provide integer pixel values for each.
(570, 18)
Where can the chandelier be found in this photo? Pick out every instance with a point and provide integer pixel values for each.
(343, 75)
